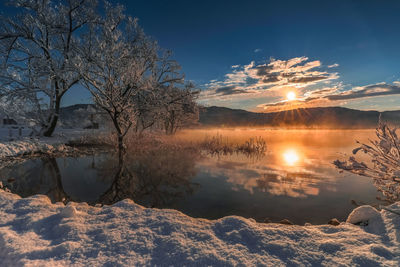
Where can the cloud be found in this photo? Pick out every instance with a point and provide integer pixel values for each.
(273, 75)
(230, 90)
(307, 79)
(334, 96)
(257, 50)
(379, 89)
(333, 65)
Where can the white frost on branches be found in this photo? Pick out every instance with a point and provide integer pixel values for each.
(54, 45)
(384, 168)
(38, 55)
(130, 77)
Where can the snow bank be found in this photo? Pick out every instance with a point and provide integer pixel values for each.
(26, 147)
(35, 232)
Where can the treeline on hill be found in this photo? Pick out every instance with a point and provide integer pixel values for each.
(325, 117)
(51, 46)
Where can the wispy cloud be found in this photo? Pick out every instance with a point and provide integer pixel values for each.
(257, 50)
(333, 65)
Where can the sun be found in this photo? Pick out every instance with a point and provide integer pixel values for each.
(290, 156)
(291, 96)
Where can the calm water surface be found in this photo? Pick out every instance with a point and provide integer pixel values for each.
(295, 180)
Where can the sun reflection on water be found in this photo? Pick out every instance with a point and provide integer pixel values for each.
(291, 157)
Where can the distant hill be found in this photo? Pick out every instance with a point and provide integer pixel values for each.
(78, 116)
(326, 117)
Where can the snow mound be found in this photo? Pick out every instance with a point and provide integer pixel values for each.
(35, 232)
(68, 212)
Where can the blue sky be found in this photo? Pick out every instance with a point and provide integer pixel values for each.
(344, 52)
(209, 37)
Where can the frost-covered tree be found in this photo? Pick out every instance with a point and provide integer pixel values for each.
(127, 73)
(116, 67)
(38, 56)
(384, 165)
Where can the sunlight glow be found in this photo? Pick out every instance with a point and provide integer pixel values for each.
(290, 156)
(291, 96)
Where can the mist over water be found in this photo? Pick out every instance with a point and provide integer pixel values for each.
(294, 180)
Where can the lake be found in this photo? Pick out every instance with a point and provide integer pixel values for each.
(295, 180)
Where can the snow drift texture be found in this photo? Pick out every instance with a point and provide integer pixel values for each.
(35, 232)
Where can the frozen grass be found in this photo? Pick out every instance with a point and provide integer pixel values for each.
(218, 145)
(90, 140)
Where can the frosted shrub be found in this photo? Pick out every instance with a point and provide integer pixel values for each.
(253, 146)
(384, 167)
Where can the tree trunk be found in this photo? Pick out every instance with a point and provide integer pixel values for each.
(120, 148)
(53, 119)
(120, 137)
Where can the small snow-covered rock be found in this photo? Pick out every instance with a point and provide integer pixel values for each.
(68, 211)
(363, 214)
(334, 222)
(368, 217)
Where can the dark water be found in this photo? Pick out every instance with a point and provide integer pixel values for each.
(295, 180)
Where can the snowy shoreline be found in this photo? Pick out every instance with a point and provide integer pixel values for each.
(35, 232)
(26, 146)
(19, 148)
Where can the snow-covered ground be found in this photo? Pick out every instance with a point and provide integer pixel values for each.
(15, 146)
(35, 232)
(26, 147)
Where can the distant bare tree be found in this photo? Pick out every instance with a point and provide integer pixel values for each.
(37, 53)
(148, 103)
(384, 168)
(179, 108)
(171, 103)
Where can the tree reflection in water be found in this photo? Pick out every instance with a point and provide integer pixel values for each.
(155, 178)
(36, 176)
